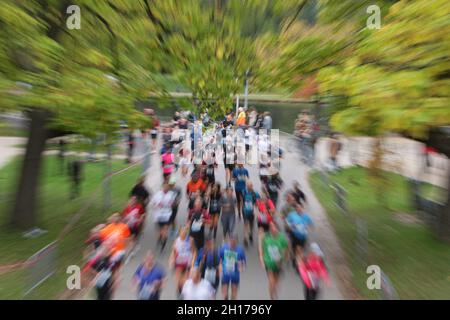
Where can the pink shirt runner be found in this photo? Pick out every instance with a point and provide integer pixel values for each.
(167, 159)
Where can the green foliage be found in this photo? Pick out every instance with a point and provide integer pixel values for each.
(396, 78)
(89, 78)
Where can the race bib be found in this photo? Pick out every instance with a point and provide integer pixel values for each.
(197, 225)
(183, 257)
(214, 206)
(154, 131)
(248, 206)
(230, 261)
(263, 218)
(210, 275)
(300, 228)
(274, 253)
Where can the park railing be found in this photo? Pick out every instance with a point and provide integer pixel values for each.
(361, 242)
(43, 264)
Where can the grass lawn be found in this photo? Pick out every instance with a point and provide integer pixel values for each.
(417, 264)
(6, 130)
(55, 211)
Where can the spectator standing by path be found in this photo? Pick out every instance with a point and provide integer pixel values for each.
(75, 174)
(334, 148)
(267, 122)
(131, 143)
(253, 116)
(241, 120)
(149, 279)
(154, 127)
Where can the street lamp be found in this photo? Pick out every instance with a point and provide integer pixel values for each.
(247, 74)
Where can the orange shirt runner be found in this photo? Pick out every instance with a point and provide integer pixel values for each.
(117, 233)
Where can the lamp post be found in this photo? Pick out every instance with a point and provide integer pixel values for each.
(247, 73)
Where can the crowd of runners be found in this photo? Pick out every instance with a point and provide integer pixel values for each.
(205, 268)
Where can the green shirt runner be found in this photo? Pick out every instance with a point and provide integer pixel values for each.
(273, 250)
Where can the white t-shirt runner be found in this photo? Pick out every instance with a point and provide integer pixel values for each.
(200, 291)
(163, 205)
(183, 250)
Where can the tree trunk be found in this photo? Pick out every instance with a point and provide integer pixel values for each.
(107, 181)
(439, 139)
(24, 210)
(444, 217)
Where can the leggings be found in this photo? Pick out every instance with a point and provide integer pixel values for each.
(311, 293)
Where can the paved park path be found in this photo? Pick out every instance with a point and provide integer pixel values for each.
(9, 148)
(253, 279)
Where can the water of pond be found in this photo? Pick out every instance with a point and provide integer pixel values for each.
(283, 114)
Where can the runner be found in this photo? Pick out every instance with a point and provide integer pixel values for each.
(149, 279)
(299, 195)
(210, 164)
(208, 261)
(181, 257)
(266, 210)
(232, 263)
(184, 162)
(194, 185)
(131, 146)
(103, 269)
(134, 216)
(273, 248)
(197, 224)
(141, 192)
(229, 158)
(117, 234)
(228, 217)
(167, 162)
(289, 206)
(273, 185)
(177, 192)
(240, 177)
(194, 197)
(215, 206)
(299, 224)
(155, 123)
(313, 272)
(250, 199)
(163, 202)
(197, 288)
